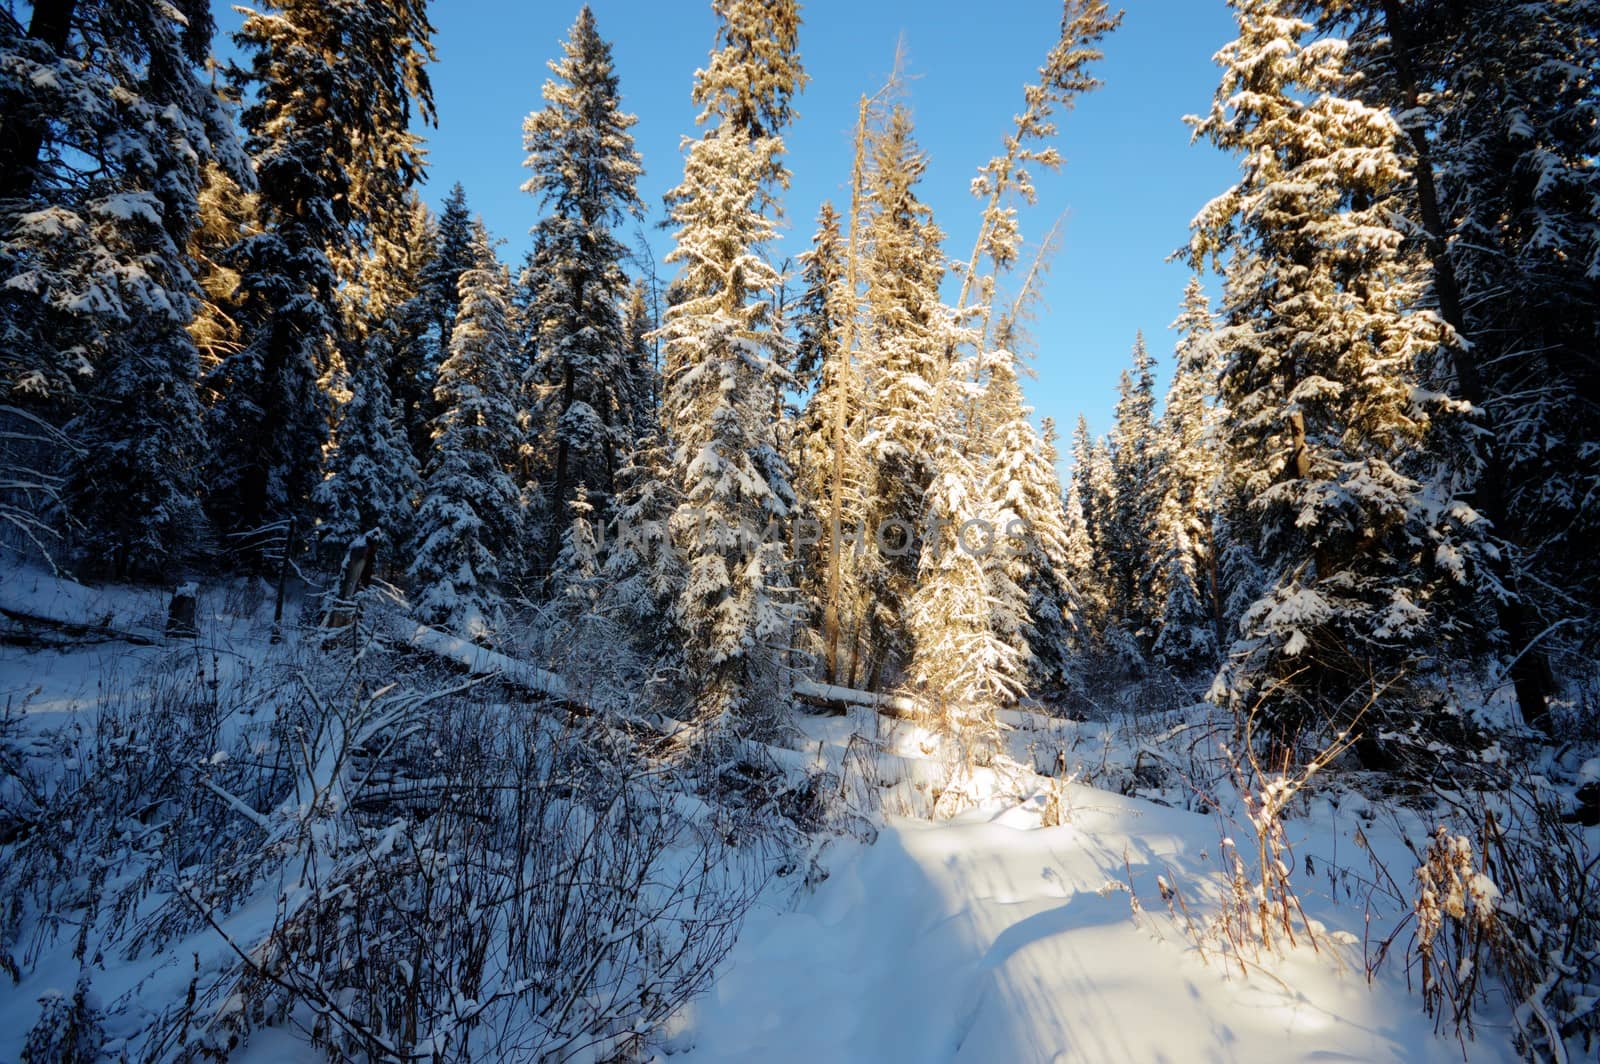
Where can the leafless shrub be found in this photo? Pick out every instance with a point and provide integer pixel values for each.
(1509, 909)
(449, 877)
(91, 809)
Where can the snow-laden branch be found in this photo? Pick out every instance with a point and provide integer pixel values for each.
(833, 694)
(481, 662)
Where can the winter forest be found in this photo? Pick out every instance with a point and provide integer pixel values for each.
(415, 651)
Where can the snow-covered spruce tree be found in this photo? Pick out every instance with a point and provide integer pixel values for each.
(817, 324)
(578, 577)
(1090, 485)
(228, 211)
(1324, 424)
(904, 336)
(752, 79)
(644, 380)
(584, 173)
(413, 322)
(1498, 100)
(371, 487)
(826, 373)
(1136, 493)
(452, 257)
(967, 613)
(966, 617)
(1183, 580)
(372, 481)
(643, 573)
(834, 473)
(469, 525)
(1023, 485)
(736, 610)
(1078, 571)
(105, 130)
(133, 487)
(332, 88)
(385, 332)
(439, 301)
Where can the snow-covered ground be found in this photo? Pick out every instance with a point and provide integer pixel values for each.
(983, 937)
(989, 938)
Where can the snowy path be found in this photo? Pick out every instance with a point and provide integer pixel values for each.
(982, 940)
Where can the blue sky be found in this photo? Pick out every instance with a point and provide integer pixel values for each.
(1131, 183)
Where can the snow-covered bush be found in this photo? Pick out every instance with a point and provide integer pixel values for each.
(446, 874)
(69, 1030)
(90, 810)
(1510, 910)
(337, 838)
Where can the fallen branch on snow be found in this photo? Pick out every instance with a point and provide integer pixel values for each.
(31, 629)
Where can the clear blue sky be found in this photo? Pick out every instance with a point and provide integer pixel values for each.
(1131, 183)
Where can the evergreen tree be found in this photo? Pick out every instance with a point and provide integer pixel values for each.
(1183, 582)
(721, 371)
(373, 478)
(133, 484)
(904, 335)
(578, 577)
(1136, 493)
(442, 277)
(644, 380)
(332, 90)
(1359, 542)
(1078, 571)
(643, 571)
(825, 374)
(1498, 102)
(833, 472)
(584, 170)
(105, 132)
(470, 522)
(228, 210)
(966, 615)
(1091, 489)
(816, 322)
(1023, 485)
(972, 616)
(372, 482)
(753, 76)
(414, 364)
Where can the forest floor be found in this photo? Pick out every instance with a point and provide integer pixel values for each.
(1068, 912)
(987, 937)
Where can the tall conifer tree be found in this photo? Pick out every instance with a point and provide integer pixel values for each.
(1358, 537)
(469, 527)
(106, 131)
(333, 88)
(722, 367)
(584, 172)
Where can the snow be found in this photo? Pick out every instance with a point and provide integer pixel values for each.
(988, 938)
(38, 594)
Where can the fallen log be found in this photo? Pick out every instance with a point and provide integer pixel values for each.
(34, 630)
(842, 698)
(480, 661)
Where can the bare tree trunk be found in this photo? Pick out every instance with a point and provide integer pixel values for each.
(830, 607)
(342, 610)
